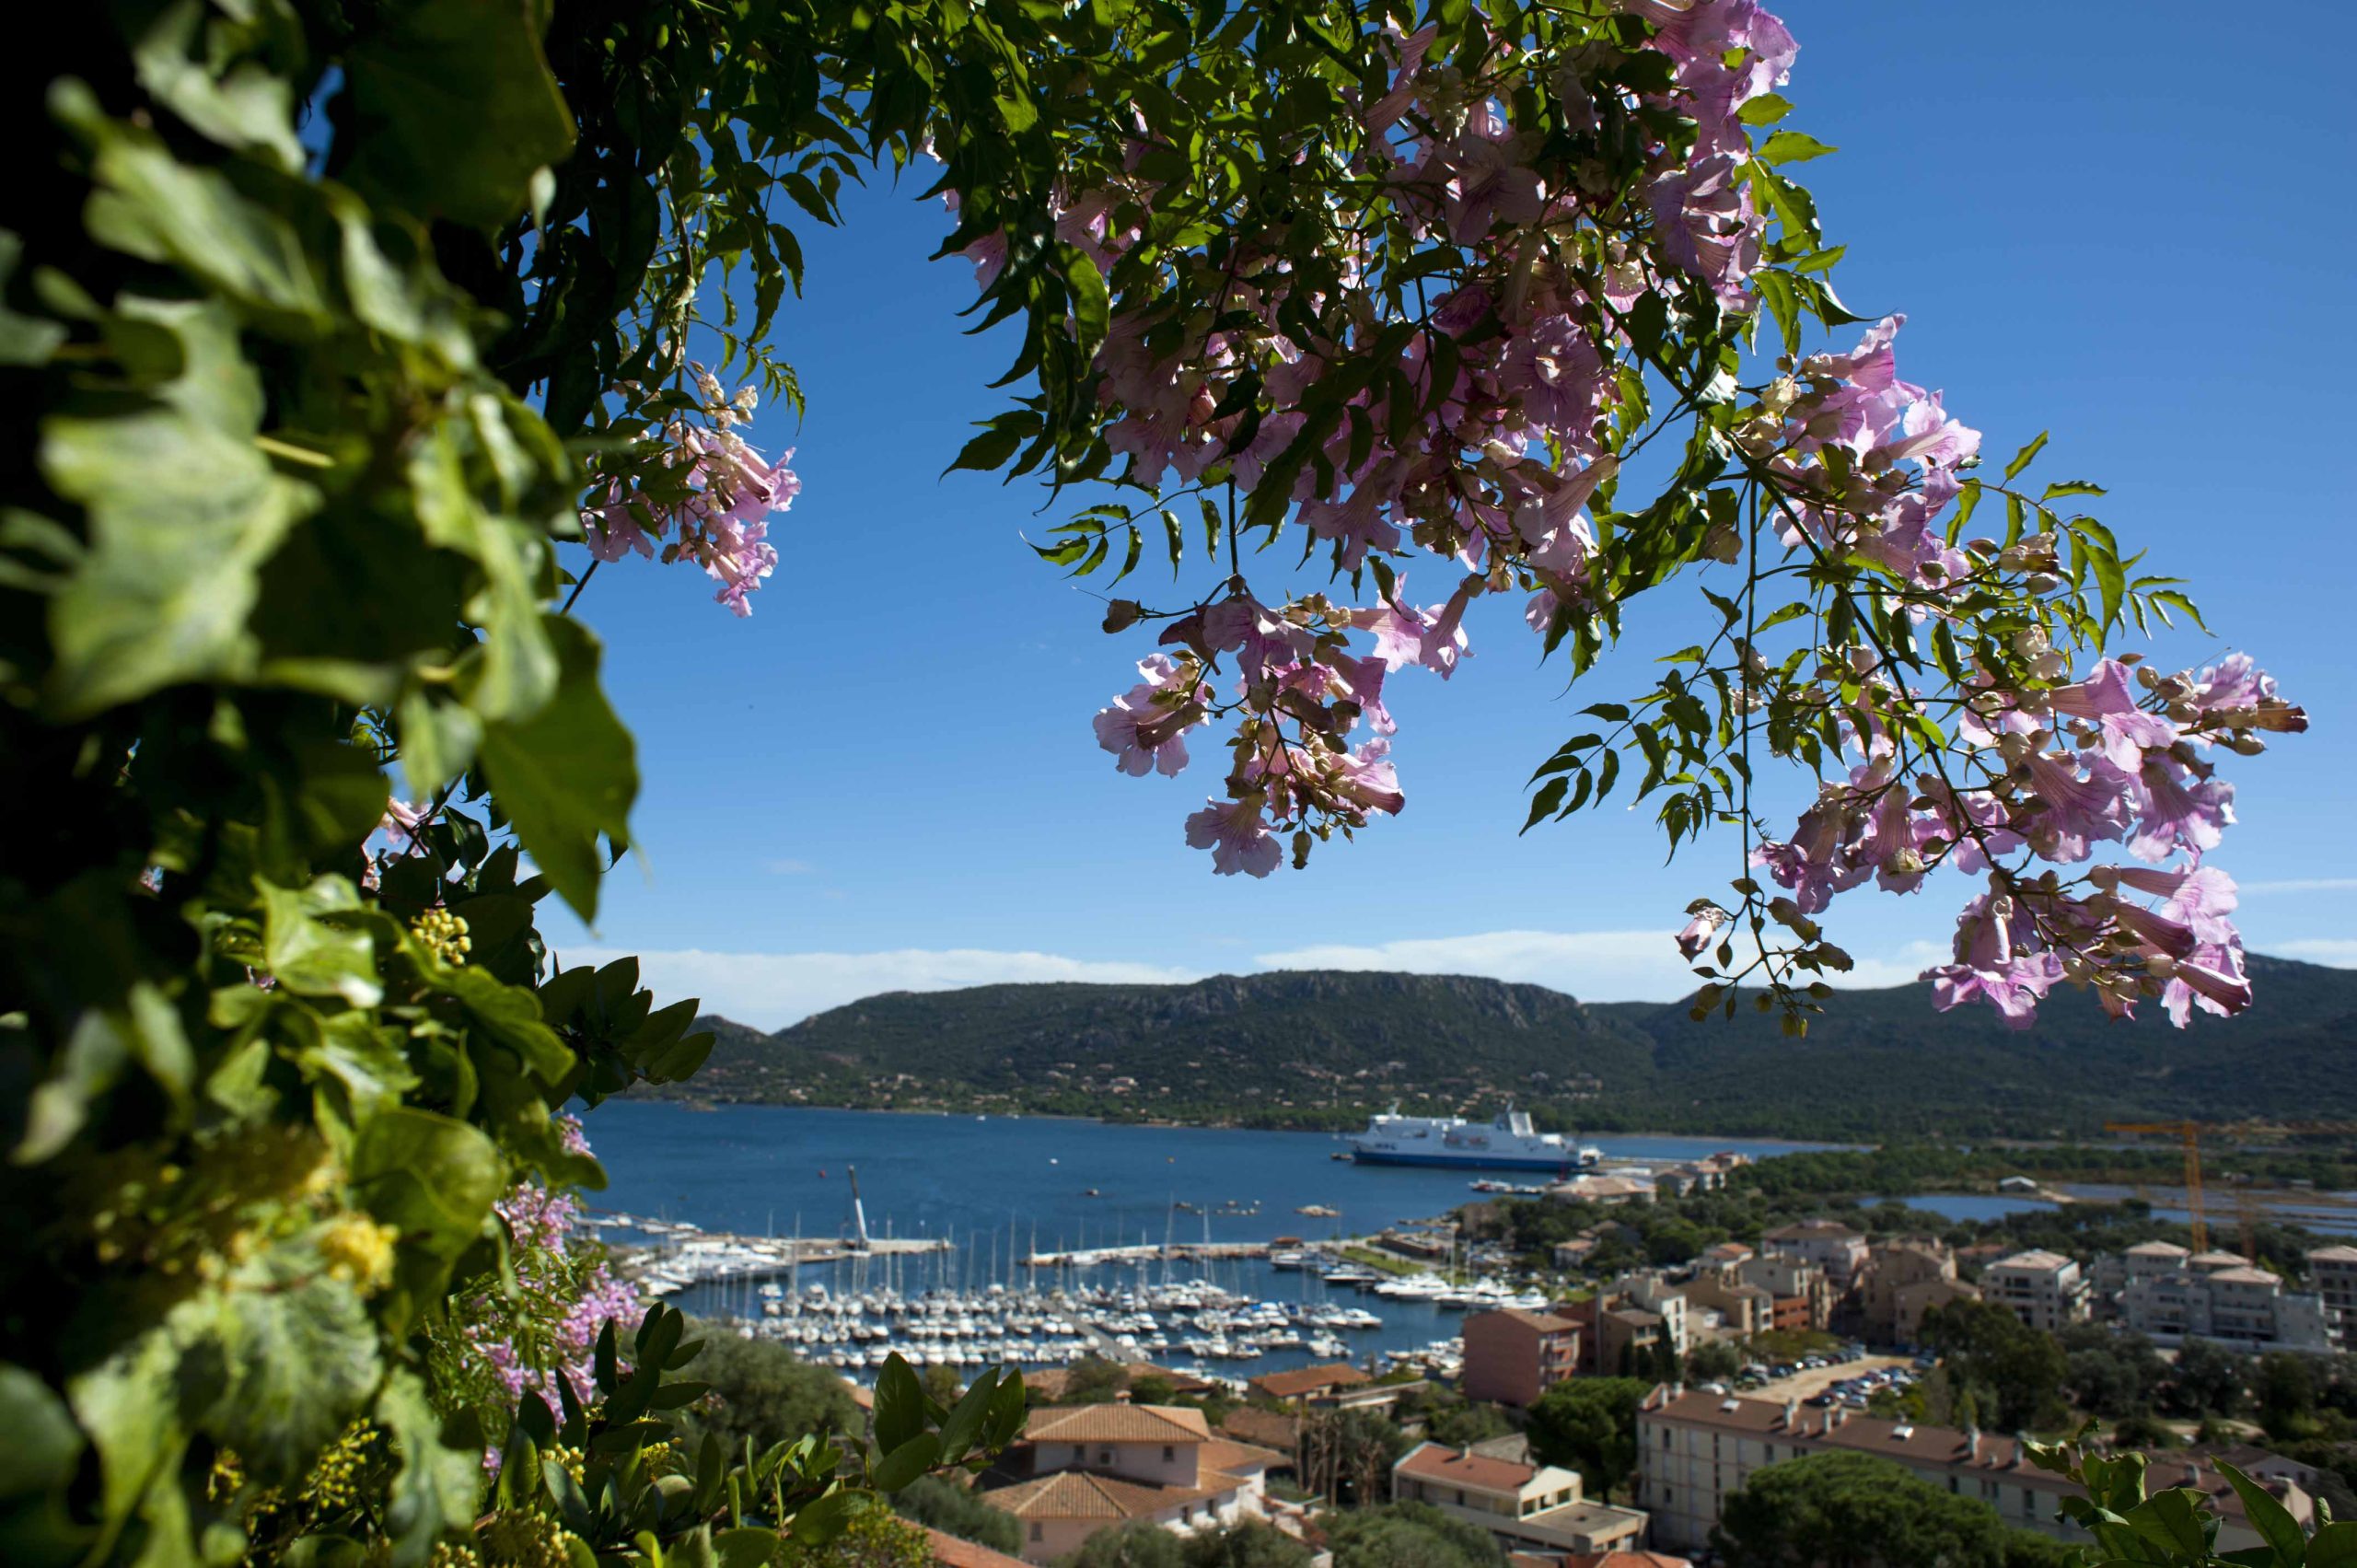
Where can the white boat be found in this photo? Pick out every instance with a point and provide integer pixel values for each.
(1508, 1142)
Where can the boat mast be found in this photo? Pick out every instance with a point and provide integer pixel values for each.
(858, 1211)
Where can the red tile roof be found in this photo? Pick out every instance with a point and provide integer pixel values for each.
(1268, 1429)
(1311, 1380)
(1117, 1424)
(1437, 1461)
(1238, 1459)
(951, 1551)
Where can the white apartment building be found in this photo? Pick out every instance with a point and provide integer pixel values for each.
(1694, 1449)
(1830, 1245)
(1657, 1296)
(2220, 1296)
(2333, 1270)
(2043, 1289)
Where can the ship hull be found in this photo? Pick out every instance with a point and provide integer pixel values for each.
(1470, 1159)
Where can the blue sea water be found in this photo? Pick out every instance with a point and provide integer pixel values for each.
(999, 1186)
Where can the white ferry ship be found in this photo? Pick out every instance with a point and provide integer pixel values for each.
(1508, 1143)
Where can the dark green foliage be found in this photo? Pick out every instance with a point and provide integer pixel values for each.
(1464, 1423)
(1285, 1049)
(1713, 1361)
(1408, 1535)
(954, 1510)
(1250, 1544)
(2109, 1373)
(763, 1390)
(2210, 1380)
(1138, 1544)
(1589, 1424)
(2014, 1374)
(1093, 1380)
(1842, 1510)
(2143, 1429)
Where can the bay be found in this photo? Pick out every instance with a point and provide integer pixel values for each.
(999, 1186)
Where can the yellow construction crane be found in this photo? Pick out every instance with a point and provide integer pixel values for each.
(2190, 1135)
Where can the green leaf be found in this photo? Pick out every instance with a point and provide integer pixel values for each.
(1794, 147)
(246, 107)
(2022, 459)
(822, 1520)
(2334, 1546)
(453, 108)
(183, 509)
(1765, 110)
(312, 957)
(23, 340)
(567, 773)
(37, 1465)
(904, 1464)
(2268, 1516)
(303, 1362)
(900, 1404)
(430, 1176)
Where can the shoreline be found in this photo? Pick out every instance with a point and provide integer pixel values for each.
(706, 1104)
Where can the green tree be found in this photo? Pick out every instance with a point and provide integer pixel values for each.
(2286, 1389)
(2111, 1374)
(1250, 1544)
(953, 1509)
(1845, 1510)
(873, 1538)
(1093, 1380)
(1151, 1389)
(1589, 1424)
(763, 1390)
(1408, 1535)
(2209, 1381)
(1464, 1423)
(1138, 1544)
(1713, 1361)
(2143, 1429)
(1985, 1347)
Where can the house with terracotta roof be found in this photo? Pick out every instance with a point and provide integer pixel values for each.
(1527, 1507)
(1513, 1357)
(1830, 1245)
(1694, 1449)
(1624, 1560)
(1089, 1468)
(1304, 1388)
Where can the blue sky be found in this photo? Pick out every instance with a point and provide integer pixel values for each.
(885, 779)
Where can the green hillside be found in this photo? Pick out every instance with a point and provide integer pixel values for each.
(1321, 1048)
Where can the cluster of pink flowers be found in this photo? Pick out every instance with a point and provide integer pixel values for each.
(706, 498)
(564, 1300)
(1517, 354)
(1479, 426)
(2043, 771)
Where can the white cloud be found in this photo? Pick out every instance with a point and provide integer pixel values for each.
(2335, 952)
(1595, 966)
(770, 991)
(2300, 885)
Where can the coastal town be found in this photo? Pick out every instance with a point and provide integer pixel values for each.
(1198, 1389)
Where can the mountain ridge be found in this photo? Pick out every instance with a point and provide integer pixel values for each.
(1323, 1047)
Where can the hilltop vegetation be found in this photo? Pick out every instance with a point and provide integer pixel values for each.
(1321, 1049)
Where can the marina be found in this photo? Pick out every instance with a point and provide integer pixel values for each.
(1210, 1250)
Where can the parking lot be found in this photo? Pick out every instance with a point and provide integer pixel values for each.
(1805, 1382)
